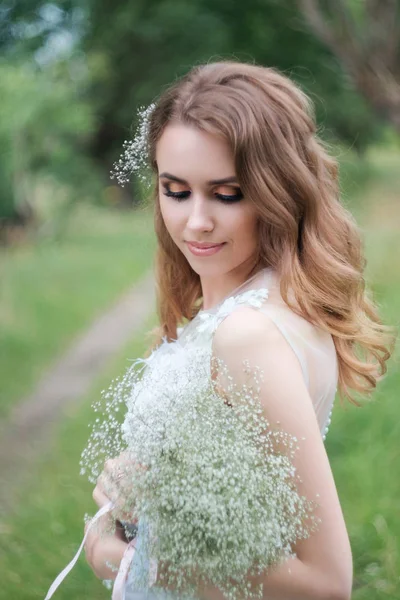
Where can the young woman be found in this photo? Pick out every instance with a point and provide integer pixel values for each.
(246, 200)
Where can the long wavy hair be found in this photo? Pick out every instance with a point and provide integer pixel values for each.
(304, 232)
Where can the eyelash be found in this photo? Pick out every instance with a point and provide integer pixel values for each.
(183, 195)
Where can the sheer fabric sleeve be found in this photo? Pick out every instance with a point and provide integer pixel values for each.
(313, 347)
(316, 354)
(249, 335)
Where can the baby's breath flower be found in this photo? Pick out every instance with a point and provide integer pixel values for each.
(108, 583)
(220, 499)
(135, 157)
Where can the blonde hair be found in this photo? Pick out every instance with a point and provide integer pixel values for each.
(305, 233)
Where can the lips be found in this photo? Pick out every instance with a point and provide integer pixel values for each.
(204, 249)
(204, 245)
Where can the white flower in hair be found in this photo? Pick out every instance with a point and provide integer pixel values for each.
(135, 157)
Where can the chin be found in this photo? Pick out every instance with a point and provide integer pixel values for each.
(211, 269)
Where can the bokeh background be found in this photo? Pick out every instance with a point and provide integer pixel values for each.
(72, 243)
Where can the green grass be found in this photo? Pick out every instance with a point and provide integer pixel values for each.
(46, 528)
(51, 291)
(362, 443)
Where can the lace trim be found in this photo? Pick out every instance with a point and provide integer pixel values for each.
(209, 321)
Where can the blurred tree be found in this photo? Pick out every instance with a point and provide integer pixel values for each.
(129, 50)
(27, 26)
(145, 44)
(47, 117)
(44, 123)
(365, 36)
(135, 47)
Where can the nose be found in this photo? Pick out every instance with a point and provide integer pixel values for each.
(200, 216)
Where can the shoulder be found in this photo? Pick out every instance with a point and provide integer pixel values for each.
(245, 326)
(246, 329)
(248, 334)
(248, 340)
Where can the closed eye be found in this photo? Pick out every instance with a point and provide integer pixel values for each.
(227, 198)
(178, 195)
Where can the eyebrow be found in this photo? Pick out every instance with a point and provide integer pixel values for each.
(232, 179)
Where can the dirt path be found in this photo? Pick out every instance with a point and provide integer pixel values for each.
(26, 433)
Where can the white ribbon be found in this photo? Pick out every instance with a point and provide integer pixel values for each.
(124, 563)
(120, 581)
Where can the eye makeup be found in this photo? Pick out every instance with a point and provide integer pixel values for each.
(226, 198)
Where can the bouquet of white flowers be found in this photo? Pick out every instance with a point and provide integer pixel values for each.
(218, 488)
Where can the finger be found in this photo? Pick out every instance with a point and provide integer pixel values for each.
(126, 456)
(105, 483)
(126, 462)
(121, 508)
(100, 497)
(109, 465)
(115, 487)
(113, 472)
(110, 488)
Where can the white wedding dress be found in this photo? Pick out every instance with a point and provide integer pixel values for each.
(313, 347)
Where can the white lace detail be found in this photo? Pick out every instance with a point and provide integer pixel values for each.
(210, 321)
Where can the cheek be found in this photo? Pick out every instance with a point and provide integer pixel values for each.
(244, 226)
(170, 214)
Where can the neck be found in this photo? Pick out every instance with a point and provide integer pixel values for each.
(216, 288)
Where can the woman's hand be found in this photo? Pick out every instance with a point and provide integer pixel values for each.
(102, 546)
(115, 483)
(106, 542)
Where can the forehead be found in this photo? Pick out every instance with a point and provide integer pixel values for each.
(194, 155)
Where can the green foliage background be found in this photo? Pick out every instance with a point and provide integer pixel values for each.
(72, 74)
(68, 107)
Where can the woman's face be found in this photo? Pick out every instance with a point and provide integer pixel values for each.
(201, 201)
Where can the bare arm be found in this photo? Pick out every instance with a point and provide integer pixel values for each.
(103, 551)
(323, 566)
(292, 580)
